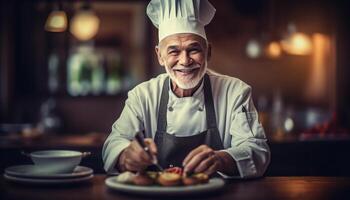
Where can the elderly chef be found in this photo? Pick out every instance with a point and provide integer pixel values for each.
(191, 117)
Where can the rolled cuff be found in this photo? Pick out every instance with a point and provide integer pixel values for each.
(244, 161)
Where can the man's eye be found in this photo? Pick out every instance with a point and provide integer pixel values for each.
(194, 50)
(173, 52)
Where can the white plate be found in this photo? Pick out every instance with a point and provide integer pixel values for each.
(32, 171)
(214, 184)
(47, 181)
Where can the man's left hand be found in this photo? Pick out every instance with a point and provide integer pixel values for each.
(202, 159)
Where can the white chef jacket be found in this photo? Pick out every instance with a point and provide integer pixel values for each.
(186, 116)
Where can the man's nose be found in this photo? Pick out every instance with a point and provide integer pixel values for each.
(185, 59)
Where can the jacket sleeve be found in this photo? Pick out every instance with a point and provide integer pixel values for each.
(123, 131)
(249, 146)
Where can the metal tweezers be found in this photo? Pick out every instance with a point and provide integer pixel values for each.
(139, 138)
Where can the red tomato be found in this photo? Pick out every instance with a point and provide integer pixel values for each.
(176, 170)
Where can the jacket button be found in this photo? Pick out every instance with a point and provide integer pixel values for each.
(170, 109)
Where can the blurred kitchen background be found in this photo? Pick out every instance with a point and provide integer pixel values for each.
(66, 67)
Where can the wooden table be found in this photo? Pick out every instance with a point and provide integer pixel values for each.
(266, 188)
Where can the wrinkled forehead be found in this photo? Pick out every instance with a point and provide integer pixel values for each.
(183, 40)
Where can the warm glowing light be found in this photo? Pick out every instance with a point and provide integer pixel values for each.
(273, 50)
(319, 85)
(56, 22)
(297, 44)
(85, 25)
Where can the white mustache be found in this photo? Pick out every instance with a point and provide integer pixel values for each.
(186, 68)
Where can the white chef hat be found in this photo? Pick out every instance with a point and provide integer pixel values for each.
(180, 16)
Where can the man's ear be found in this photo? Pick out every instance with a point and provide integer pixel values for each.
(160, 60)
(209, 52)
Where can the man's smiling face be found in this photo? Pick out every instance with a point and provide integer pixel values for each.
(184, 57)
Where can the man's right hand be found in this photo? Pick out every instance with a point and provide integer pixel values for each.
(134, 158)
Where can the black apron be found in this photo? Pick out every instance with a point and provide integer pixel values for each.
(172, 150)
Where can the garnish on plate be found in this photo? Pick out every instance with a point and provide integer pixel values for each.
(173, 176)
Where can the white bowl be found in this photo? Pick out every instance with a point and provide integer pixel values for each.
(56, 161)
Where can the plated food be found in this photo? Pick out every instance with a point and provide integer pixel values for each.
(170, 177)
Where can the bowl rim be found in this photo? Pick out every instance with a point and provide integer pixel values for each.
(41, 154)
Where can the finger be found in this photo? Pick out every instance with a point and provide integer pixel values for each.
(212, 169)
(153, 149)
(136, 158)
(196, 159)
(135, 164)
(133, 167)
(151, 145)
(205, 164)
(139, 153)
(193, 153)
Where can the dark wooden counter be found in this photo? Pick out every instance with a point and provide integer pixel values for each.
(286, 188)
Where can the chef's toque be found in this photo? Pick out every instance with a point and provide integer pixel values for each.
(180, 16)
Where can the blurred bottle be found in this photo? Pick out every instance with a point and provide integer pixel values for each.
(53, 76)
(277, 114)
(114, 73)
(263, 109)
(50, 121)
(85, 72)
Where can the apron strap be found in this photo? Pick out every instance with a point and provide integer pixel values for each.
(163, 107)
(209, 104)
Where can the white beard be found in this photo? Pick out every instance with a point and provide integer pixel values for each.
(191, 82)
